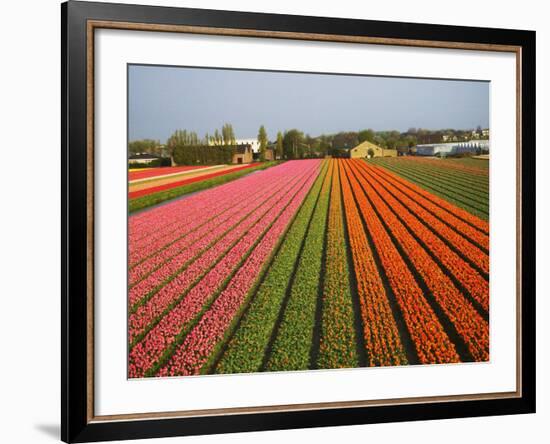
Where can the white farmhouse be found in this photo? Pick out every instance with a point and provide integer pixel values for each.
(252, 142)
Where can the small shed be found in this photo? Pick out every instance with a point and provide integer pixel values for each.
(269, 154)
(242, 154)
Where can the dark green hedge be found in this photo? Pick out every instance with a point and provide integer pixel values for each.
(165, 161)
(203, 154)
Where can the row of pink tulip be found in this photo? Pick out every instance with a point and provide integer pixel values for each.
(146, 224)
(178, 263)
(168, 223)
(173, 290)
(195, 351)
(185, 213)
(208, 232)
(147, 353)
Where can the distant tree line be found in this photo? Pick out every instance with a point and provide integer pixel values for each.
(186, 147)
(148, 146)
(296, 145)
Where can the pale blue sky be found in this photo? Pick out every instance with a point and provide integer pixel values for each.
(163, 99)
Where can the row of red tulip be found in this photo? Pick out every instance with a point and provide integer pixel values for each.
(153, 189)
(160, 171)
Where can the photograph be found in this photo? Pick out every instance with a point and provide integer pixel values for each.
(283, 221)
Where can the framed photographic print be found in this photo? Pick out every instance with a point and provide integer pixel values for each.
(276, 221)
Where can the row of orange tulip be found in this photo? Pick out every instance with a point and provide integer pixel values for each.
(459, 213)
(476, 285)
(380, 334)
(432, 212)
(431, 342)
(469, 324)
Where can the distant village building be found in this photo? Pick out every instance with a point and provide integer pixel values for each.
(484, 134)
(368, 149)
(243, 154)
(449, 138)
(448, 149)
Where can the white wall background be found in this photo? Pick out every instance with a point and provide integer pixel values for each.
(29, 222)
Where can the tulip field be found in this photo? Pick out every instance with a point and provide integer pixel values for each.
(151, 186)
(312, 264)
(463, 182)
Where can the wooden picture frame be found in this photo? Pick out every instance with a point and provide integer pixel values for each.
(79, 22)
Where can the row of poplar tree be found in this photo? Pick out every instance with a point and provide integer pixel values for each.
(187, 148)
